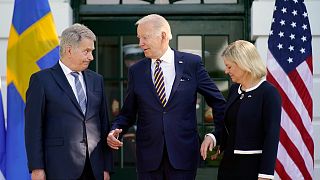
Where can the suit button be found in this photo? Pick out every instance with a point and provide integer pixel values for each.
(164, 112)
(83, 141)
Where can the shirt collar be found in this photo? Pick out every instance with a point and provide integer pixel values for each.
(66, 70)
(252, 88)
(167, 57)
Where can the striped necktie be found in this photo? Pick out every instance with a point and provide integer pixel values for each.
(159, 83)
(82, 100)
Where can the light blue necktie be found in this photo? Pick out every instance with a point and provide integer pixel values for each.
(82, 100)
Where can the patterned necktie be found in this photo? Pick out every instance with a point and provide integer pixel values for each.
(159, 83)
(82, 100)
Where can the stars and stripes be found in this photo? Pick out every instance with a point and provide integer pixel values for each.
(290, 69)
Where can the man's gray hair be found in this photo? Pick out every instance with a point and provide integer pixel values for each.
(159, 23)
(73, 35)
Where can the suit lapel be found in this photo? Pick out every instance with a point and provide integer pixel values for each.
(62, 81)
(88, 79)
(179, 67)
(149, 81)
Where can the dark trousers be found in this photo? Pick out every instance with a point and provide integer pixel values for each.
(87, 173)
(167, 172)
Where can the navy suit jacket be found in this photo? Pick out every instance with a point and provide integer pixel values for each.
(258, 123)
(55, 126)
(175, 126)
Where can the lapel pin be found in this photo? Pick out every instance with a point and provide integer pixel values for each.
(249, 96)
(242, 95)
(180, 62)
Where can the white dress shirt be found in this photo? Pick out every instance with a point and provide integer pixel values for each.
(67, 72)
(168, 69)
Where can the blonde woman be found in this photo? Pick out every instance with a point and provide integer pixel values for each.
(249, 134)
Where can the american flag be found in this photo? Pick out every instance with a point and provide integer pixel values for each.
(289, 66)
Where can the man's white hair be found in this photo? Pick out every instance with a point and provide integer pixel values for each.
(159, 23)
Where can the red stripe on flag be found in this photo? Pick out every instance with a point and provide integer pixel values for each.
(280, 170)
(309, 62)
(293, 115)
(294, 154)
(300, 87)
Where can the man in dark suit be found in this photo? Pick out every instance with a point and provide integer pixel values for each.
(66, 115)
(162, 93)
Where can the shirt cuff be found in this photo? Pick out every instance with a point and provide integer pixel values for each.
(213, 138)
(266, 176)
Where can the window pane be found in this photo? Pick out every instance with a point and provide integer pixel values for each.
(213, 46)
(223, 85)
(188, 2)
(190, 44)
(129, 147)
(134, 2)
(199, 108)
(162, 1)
(206, 1)
(220, 1)
(132, 53)
(108, 57)
(117, 2)
(103, 1)
(112, 89)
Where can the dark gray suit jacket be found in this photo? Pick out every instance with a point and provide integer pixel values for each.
(56, 129)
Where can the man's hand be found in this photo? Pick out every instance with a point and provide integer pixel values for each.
(112, 139)
(106, 175)
(207, 143)
(38, 174)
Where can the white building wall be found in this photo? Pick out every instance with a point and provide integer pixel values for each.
(62, 14)
(261, 15)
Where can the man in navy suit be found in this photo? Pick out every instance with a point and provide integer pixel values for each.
(66, 115)
(167, 140)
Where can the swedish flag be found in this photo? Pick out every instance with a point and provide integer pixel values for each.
(33, 45)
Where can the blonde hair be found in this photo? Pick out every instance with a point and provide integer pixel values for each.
(246, 56)
(159, 23)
